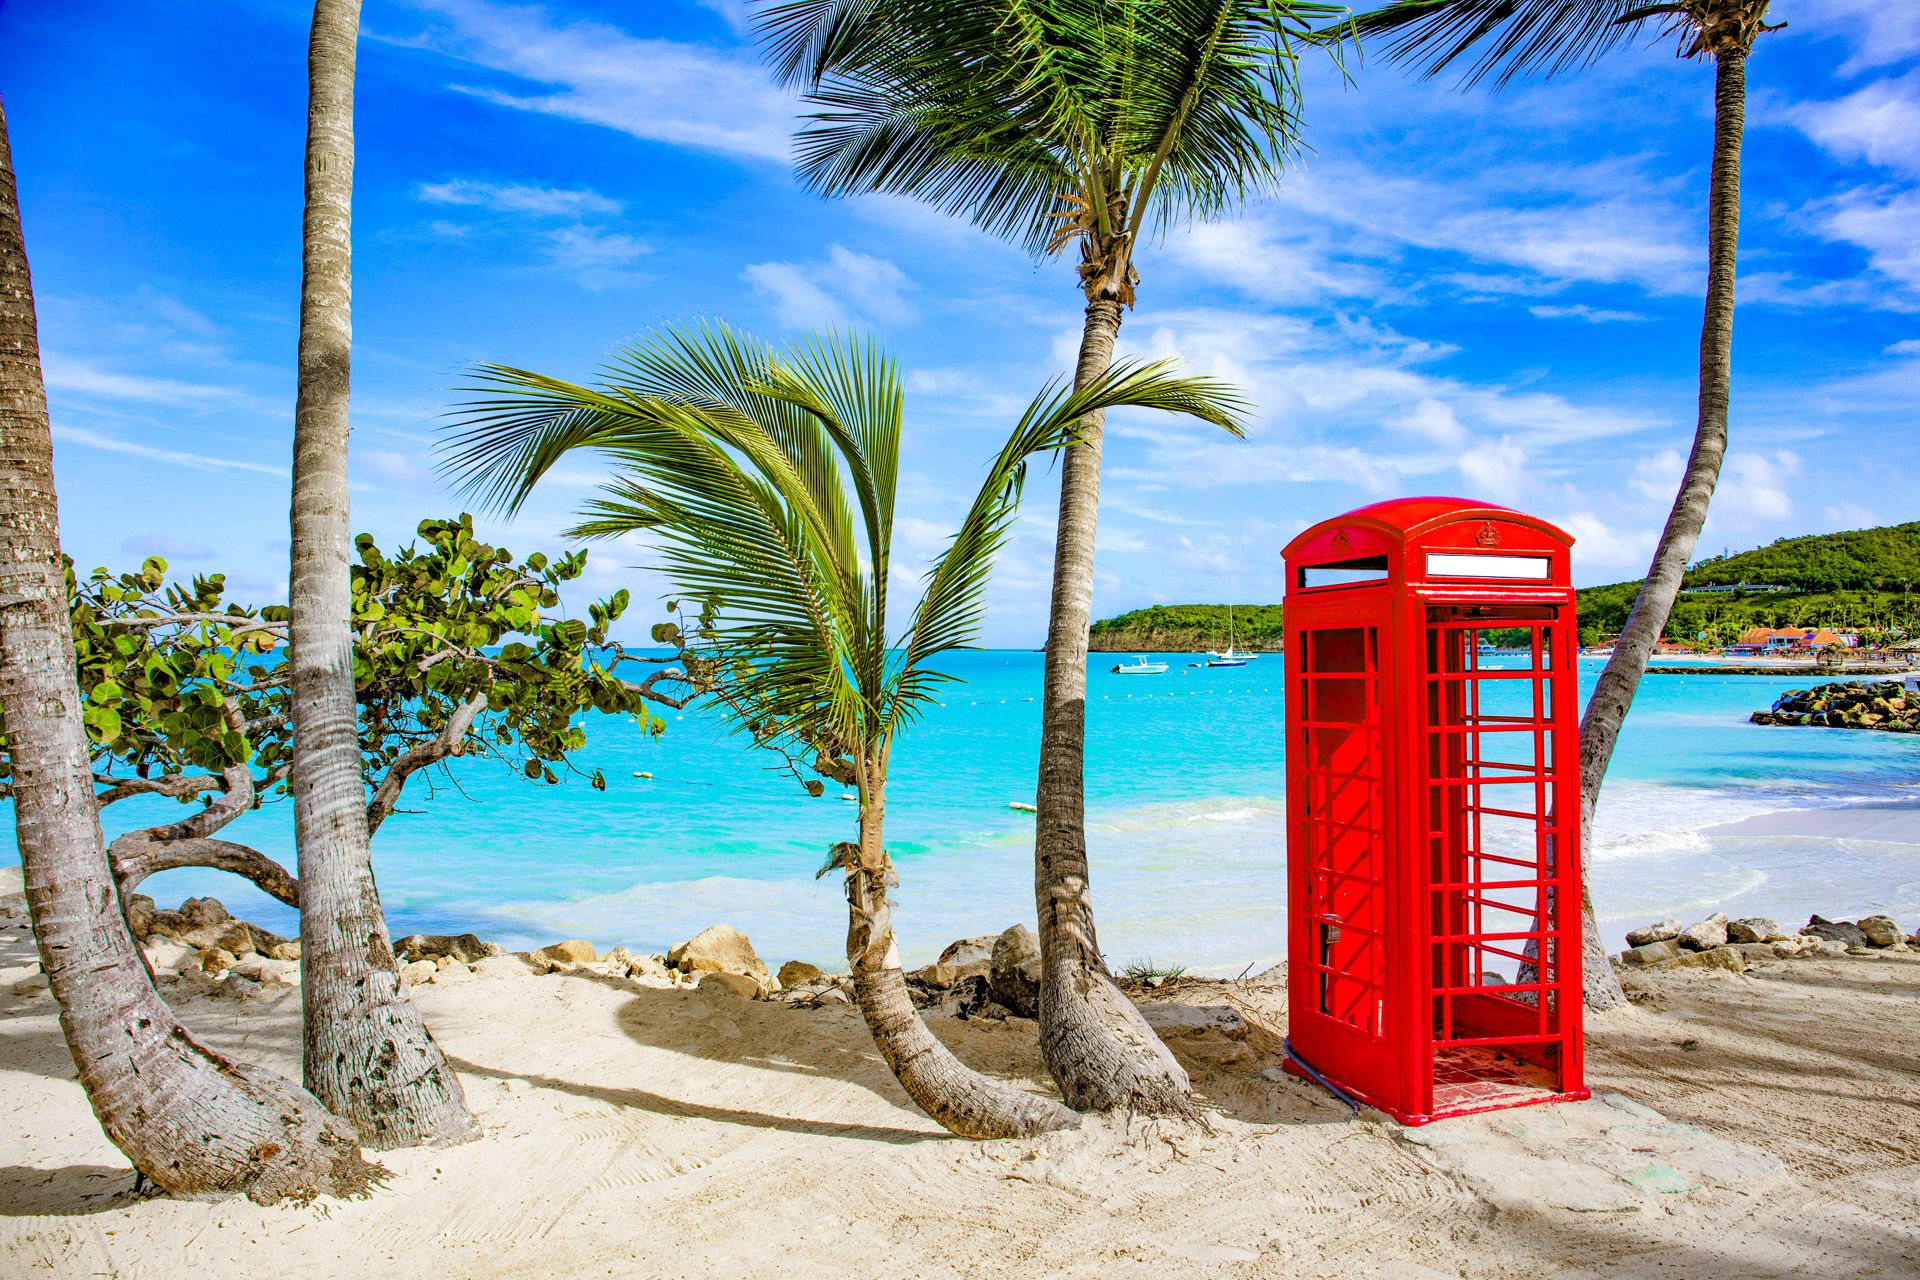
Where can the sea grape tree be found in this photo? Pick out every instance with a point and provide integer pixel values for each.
(459, 651)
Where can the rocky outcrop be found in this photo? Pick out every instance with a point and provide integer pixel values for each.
(1736, 945)
(1705, 935)
(720, 948)
(572, 951)
(798, 973)
(1844, 932)
(1658, 932)
(1880, 704)
(1751, 929)
(466, 947)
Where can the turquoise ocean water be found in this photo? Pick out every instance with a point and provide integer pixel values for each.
(1186, 806)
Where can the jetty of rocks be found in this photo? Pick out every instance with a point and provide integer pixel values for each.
(1885, 705)
(1720, 943)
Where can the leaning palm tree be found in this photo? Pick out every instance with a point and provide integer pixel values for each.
(1518, 36)
(195, 1123)
(365, 1051)
(1060, 124)
(767, 483)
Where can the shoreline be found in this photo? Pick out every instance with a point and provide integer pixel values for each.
(1891, 822)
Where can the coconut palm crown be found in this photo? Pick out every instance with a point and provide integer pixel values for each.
(1520, 37)
(767, 482)
(1052, 122)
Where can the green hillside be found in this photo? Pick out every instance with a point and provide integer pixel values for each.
(1865, 580)
(1189, 628)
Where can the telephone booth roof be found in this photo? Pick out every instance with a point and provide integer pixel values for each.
(1382, 535)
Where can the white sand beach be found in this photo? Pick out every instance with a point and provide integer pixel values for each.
(1750, 1126)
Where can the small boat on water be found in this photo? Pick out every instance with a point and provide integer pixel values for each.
(1229, 658)
(1139, 667)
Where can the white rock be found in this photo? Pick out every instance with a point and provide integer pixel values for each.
(418, 972)
(168, 956)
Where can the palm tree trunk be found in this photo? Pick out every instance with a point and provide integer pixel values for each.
(367, 1054)
(1613, 692)
(957, 1097)
(1096, 1044)
(193, 1122)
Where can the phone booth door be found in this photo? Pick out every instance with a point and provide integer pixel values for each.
(1498, 801)
(1341, 869)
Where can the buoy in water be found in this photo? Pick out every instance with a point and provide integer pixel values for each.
(1022, 807)
(643, 775)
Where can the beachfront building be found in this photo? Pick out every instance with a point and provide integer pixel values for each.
(1760, 640)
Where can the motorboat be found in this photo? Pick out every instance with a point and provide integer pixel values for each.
(1139, 667)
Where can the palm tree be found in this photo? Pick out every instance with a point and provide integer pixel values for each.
(193, 1122)
(1059, 123)
(767, 483)
(365, 1051)
(1518, 36)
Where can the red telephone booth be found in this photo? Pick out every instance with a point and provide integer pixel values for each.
(1433, 808)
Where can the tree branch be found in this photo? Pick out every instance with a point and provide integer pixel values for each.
(178, 785)
(450, 741)
(139, 854)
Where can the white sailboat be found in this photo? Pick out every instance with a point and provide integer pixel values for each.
(1229, 658)
(1139, 667)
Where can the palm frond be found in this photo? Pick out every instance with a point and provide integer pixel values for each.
(1000, 110)
(948, 615)
(1512, 37)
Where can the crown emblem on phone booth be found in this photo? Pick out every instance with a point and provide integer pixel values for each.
(1341, 541)
(1488, 535)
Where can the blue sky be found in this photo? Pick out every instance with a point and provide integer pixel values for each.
(1493, 295)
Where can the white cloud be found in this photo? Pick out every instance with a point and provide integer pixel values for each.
(1581, 311)
(1753, 489)
(823, 294)
(1878, 124)
(81, 378)
(1271, 258)
(538, 201)
(660, 90)
(198, 461)
(1431, 420)
(1656, 478)
(1905, 347)
(1848, 515)
(734, 12)
(1882, 32)
(798, 303)
(872, 284)
(1603, 223)
(1885, 224)
(584, 250)
(1598, 545)
(394, 469)
(1496, 469)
